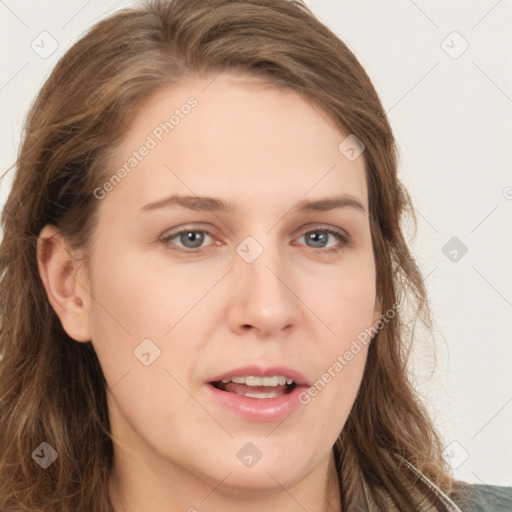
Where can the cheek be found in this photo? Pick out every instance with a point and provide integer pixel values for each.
(347, 308)
(346, 302)
(336, 385)
(125, 310)
(138, 298)
(145, 307)
(133, 309)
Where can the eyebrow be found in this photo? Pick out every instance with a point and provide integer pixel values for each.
(198, 203)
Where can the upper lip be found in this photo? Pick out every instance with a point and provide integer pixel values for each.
(258, 371)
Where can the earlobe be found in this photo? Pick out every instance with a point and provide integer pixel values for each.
(62, 274)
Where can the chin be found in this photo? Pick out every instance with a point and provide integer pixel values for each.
(260, 479)
(258, 464)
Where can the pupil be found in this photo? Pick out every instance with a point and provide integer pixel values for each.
(314, 237)
(194, 237)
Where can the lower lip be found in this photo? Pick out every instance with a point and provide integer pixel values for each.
(258, 409)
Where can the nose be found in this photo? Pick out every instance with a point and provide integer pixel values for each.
(263, 298)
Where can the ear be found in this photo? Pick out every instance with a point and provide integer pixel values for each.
(63, 273)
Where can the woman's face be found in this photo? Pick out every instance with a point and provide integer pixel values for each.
(259, 284)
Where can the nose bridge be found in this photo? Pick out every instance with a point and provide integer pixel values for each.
(265, 298)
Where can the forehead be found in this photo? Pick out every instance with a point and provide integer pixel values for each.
(235, 137)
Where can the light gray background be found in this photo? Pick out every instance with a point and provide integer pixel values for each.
(451, 112)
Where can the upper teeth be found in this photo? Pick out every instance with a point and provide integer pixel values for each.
(276, 380)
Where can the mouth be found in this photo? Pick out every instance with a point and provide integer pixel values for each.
(256, 387)
(257, 394)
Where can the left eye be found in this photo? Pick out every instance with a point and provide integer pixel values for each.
(192, 240)
(195, 238)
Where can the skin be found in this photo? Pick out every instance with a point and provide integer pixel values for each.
(264, 149)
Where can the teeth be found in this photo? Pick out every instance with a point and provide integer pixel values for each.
(260, 395)
(276, 380)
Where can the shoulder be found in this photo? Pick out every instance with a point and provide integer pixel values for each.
(482, 498)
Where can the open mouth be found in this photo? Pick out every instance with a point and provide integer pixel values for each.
(258, 394)
(256, 387)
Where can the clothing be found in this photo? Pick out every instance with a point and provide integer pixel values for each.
(465, 498)
(487, 498)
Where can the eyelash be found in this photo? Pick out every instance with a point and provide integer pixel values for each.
(340, 235)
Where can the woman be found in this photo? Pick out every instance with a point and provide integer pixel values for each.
(204, 277)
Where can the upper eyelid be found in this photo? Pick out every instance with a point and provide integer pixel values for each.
(295, 232)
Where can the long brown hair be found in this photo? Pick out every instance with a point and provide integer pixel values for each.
(52, 388)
